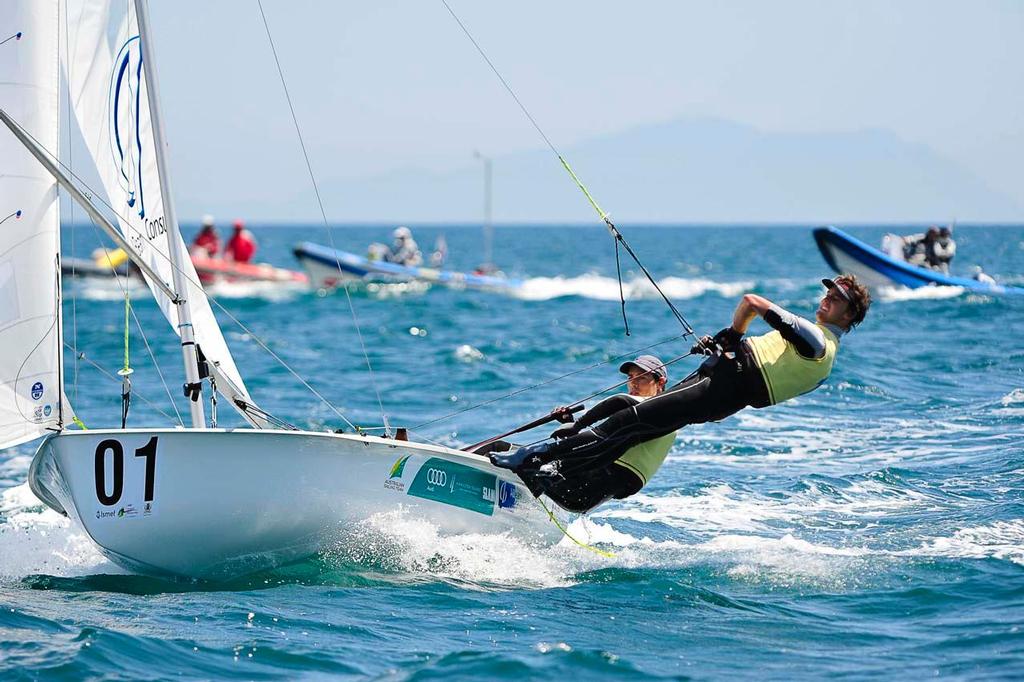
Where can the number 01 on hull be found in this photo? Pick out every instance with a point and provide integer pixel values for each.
(214, 503)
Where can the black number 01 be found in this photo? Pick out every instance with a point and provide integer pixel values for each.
(148, 451)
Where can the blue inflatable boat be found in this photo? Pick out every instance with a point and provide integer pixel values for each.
(329, 267)
(875, 268)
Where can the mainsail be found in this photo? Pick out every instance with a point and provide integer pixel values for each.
(30, 336)
(107, 87)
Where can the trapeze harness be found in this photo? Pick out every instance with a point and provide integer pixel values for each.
(617, 457)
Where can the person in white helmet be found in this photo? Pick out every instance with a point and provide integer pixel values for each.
(404, 251)
(207, 242)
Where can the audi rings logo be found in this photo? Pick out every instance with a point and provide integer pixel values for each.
(437, 477)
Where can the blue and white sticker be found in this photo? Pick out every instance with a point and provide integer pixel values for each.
(47, 410)
(37, 390)
(507, 495)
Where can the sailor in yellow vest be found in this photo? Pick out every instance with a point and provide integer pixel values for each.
(580, 486)
(794, 358)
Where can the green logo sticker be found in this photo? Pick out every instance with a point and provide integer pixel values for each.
(456, 484)
(398, 468)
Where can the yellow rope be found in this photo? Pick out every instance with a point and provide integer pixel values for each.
(127, 326)
(79, 423)
(551, 515)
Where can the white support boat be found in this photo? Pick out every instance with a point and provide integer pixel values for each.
(198, 502)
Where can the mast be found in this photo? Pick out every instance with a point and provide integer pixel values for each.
(193, 383)
(488, 227)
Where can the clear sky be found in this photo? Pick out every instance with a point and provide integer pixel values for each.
(386, 85)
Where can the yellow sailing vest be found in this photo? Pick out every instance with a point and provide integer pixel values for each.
(647, 457)
(786, 373)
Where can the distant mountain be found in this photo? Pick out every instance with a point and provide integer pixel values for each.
(696, 170)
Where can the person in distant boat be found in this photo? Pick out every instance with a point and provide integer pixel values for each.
(207, 242)
(916, 247)
(440, 254)
(983, 277)
(940, 250)
(794, 358)
(405, 250)
(242, 246)
(585, 487)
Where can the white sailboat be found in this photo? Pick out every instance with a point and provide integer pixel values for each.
(198, 502)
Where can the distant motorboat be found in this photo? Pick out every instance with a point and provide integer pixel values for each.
(208, 269)
(845, 254)
(329, 268)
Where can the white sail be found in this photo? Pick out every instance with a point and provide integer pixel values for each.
(30, 335)
(107, 87)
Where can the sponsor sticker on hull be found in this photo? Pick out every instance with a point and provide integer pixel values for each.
(457, 485)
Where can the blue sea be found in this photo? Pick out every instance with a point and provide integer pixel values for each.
(871, 529)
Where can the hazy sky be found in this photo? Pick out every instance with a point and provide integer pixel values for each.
(392, 84)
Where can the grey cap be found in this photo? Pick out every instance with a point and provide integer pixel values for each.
(647, 363)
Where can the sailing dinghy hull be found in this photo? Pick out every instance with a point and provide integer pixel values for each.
(216, 504)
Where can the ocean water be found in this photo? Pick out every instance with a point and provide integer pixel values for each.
(874, 528)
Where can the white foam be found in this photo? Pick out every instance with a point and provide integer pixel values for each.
(414, 546)
(893, 294)
(999, 540)
(467, 353)
(602, 288)
(1014, 397)
(36, 540)
(269, 291)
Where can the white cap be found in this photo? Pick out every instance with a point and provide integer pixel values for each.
(402, 232)
(207, 220)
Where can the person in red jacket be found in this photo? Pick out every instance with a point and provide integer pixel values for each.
(242, 246)
(207, 242)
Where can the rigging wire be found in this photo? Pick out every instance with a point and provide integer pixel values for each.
(126, 372)
(546, 382)
(323, 214)
(112, 377)
(617, 236)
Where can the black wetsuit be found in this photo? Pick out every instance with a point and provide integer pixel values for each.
(586, 475)
(722, 386)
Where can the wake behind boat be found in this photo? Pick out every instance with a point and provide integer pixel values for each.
(875, 268)
(329, 268)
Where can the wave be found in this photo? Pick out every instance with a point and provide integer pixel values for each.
(895, 294)
(36, 540)
(602, 288)
(999, 540)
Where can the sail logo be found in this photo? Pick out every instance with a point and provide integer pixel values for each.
(125, 121)
(37, 390)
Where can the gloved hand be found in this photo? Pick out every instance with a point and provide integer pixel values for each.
(705, 346)
(728, 339)
(566, 431)
(563, 413)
